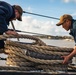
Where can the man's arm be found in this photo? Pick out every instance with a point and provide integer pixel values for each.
(3, 25)
(68, 57)
(9, 32)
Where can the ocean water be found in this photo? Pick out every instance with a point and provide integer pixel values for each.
(60, 43)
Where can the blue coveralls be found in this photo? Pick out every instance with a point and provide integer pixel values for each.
(6, 14)
(73, 30)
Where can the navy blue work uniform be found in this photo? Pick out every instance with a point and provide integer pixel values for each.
(6, 14)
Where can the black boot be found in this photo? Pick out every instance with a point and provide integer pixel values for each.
(1, 44)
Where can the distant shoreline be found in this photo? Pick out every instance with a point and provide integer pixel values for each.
(67, 38)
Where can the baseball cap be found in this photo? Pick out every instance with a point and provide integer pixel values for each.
(63, 18)
(20, 10)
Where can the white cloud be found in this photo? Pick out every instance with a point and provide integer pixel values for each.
(74, 14)
(4, 0)
(48, 27)
(67, 1)
(29, 9)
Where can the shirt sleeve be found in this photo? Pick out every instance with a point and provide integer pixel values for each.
(3, 24)
(74, 35)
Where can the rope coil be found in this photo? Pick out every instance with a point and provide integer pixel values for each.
(36, 56)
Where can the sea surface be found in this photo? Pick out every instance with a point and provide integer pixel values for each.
(59, 43)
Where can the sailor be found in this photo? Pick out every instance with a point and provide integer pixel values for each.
(8, 13)
(68, 23)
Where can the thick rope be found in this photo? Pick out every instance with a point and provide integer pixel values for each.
(1, 50)
(16, 50)
(48, 48)
(40, 49)
(16, 68)
(52, 67)
(37, 40)
(72, 67)
(17, 56)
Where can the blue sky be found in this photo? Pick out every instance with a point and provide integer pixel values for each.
(53, 8)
